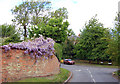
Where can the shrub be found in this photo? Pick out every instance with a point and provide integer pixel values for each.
(58, 51)
(12, 39)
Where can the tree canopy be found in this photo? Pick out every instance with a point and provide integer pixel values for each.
(61, 12)
(7, 30)
(55, 28)
(93, 43)
(29, 12)
(114, 47)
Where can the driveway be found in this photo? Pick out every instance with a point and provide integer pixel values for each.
(90, 75)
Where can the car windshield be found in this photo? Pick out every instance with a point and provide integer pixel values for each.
(69, 60)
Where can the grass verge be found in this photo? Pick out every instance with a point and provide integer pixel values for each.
(117, 74)
(96, 65)
(61, 77)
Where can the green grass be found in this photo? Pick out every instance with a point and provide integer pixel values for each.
(96, 65)
(117, 73)
(61, 77)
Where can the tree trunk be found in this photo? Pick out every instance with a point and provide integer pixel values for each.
(25, 32)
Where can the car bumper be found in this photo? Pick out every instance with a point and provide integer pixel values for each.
(71, 63)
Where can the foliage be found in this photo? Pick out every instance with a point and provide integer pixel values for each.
(9, 34)
(55, 29)
(93, 41)
(12, 39)
(113, 47)
(58, 51)
(61, 12)
(94, 63)
(68, 47)
(38, 9)
(7, 30)
(24, 11)
(117, 73)
(21, 13)
(70, 32)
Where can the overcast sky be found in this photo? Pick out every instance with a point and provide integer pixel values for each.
(79, 11)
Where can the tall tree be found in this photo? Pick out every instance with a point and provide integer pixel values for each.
(93, 41)
(55, 28)
(29, 12)
(22, 15)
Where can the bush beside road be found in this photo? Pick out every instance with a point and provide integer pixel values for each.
(85, 62)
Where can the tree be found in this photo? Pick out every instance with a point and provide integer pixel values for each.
(58, 51)
(24, 11)
(38, 9)
(113, 47)
(7, 30)
(22, 14)
(55, 29)
(61, 12)
(58, 29)
(14, 38)
(70, 32)
(68, 47)
(93, 42)
(9, 34)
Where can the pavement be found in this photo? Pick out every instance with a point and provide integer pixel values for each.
(90, 74)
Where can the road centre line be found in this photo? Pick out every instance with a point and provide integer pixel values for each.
(94, 80)
(91, 76)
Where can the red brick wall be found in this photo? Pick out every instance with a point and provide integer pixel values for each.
(15, 66)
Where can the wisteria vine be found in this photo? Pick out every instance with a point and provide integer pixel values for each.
(35, 48)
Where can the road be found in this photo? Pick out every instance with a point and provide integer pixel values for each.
(89, 74)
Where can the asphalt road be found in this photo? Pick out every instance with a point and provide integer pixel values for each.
(90, 74)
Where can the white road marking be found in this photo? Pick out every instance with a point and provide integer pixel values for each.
(89, 71)
(94, 80)
(91, 76)
(77, 70)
